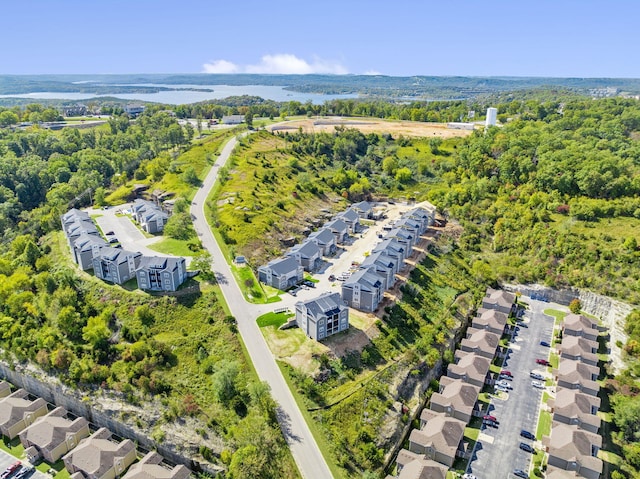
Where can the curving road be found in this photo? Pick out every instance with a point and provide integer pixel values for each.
(303, 446)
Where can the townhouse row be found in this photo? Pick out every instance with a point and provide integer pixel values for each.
(575, 438)
(328, 314)
(434, 447)
(53, 434)
(92, 252)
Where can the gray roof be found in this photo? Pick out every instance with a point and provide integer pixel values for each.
(362, 206)
(306, 249)
(97, 454)
(399, 233)
(85, 242)
(117, 255)
(390, 245)
(378, 258)
(78, 227)
(349, 215)
(408, 223)
(337, 224)
(74, 214)
(368, 280)
(282, 265)
(322, 236)
(168, 263)
(323, 305)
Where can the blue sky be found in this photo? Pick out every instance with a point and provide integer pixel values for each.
(422, 37)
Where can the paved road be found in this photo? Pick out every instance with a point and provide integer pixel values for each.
(297, 434)
(498, 452)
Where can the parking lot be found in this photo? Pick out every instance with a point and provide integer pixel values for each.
(7, 459)
(127, 233)
(497, 452)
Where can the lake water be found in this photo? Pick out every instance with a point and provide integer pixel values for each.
(276, 93)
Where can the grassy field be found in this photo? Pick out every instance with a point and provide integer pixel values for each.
(176, 247)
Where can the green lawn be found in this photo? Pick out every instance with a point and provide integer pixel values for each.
(176, 247)
(558, 315)
(544, 425)
(273, 319)
(13, 447)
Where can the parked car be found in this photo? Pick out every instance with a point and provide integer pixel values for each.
(311, 284)
(520, 473)
(537, 384)
(536, 375)
(113, 239)
(544, 362)
(11, 470)
(109, 233)
(332, 277)
(527, 447)
(468, 476)
(504, 384)
(545, 344)
(489, 417)
(490, 423)
(526, 434)
(505, 377)
(504, 372)
(501, 389)
(25, 472)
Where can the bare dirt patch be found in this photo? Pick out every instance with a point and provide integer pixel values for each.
(371, 125)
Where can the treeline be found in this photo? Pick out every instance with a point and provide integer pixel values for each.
(43, 173)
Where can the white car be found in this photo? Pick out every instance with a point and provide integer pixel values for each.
(538, 384)
(468, 476)
(536, 375)
(501, 389)
(504, 384)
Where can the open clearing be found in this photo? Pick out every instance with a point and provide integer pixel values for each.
(371, 125)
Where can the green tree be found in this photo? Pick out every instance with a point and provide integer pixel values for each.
(179, 226)
(575, 306)
(8, 118)
(403, 175)
(224, 380)
(203, 262)
(190, 176)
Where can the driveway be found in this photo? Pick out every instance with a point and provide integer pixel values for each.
(7, 459)
(498, 452)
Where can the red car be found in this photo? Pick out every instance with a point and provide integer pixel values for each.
(504, 372)
(544, 362)
(11, 469)
(489, 417)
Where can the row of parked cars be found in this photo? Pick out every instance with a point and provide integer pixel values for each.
(17, 470)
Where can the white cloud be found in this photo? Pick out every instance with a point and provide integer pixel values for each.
(220, 66)
(282, 63)
(372, 72)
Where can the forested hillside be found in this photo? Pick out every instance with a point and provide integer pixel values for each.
(179, 354)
